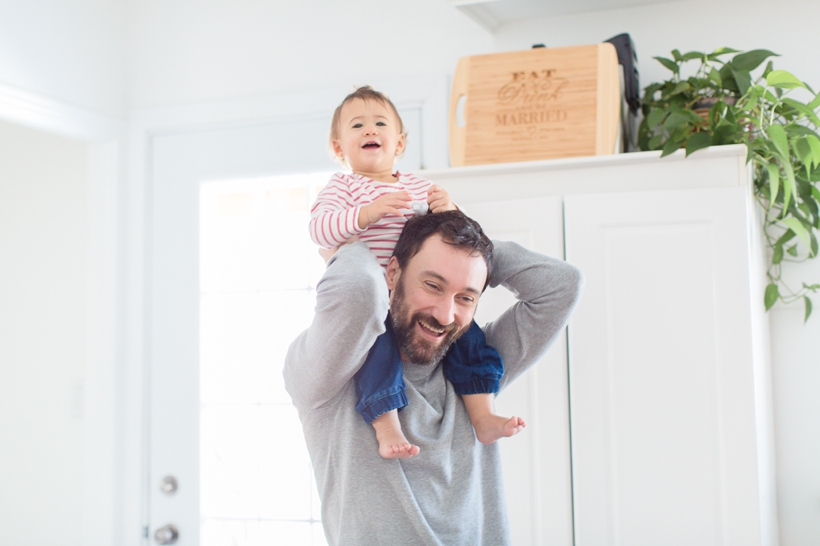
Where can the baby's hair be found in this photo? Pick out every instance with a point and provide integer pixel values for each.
(364, 93)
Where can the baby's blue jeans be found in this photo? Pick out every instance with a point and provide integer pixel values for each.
(472, 366)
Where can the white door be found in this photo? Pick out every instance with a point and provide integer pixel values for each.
(204, 420)
(221, 426)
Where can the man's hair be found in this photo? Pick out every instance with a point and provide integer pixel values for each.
(454, 227)
(365, 93)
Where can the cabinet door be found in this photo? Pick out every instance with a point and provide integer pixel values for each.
(536, 463)
(661, 370)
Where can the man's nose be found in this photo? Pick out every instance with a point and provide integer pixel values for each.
(445, 311)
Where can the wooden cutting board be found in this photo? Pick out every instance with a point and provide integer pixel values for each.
(541, 103)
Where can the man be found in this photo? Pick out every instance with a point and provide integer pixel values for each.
(451, 493)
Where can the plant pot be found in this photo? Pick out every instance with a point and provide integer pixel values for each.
(702, 106)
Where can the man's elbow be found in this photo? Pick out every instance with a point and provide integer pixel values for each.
(575, 282)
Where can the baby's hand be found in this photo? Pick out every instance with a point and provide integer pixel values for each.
(391, 203)
(439, 199)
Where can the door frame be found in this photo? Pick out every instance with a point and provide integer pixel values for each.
(430, 95)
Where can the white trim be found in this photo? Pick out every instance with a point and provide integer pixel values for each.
(40, 112)
(102, 402)
(430, 95)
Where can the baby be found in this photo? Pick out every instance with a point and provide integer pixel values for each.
(372, 204)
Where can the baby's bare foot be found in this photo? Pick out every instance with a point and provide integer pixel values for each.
(491, 427)
(392, 442)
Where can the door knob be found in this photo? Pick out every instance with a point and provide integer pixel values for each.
(166, 535)
(169, 485)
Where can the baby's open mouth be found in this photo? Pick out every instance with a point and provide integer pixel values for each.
(371, 145)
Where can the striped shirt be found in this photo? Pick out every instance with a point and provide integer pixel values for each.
(334, 217)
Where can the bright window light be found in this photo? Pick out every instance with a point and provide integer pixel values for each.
(258, 272)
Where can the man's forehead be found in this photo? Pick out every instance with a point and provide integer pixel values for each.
(450, 263)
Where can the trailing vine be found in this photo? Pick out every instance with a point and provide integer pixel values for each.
(722, 103)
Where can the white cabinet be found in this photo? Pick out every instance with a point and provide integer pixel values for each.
(665, 421)
(669, 404)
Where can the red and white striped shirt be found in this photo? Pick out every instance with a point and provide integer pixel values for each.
(334, 217)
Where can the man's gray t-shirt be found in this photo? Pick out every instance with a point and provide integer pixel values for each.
(451, 493)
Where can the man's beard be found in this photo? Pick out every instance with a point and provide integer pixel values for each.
(414, 348)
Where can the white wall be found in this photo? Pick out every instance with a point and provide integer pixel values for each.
(43, 334)
(787, 27)
(69, 51)
(187, 51)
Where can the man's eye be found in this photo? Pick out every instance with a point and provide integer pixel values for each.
(431, 286)
(467, 299)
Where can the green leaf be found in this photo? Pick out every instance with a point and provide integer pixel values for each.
(697, 142)
(680, 88)
(783, 80)
(669, 64)
(743, 80)
(785, 238)
(814, 144)
(789, 187)
(812, 287)
(792, 250)
(807, 301)
(815, 102)
(794, 129)
(721, 51)
(655, 117)
(797, 226)
(778, 136)
(676, 55)
(692, 55)
(725, 73)
(751, 59)
(803, 109)
(771, 296)
(769, 68)
(803, 151)
(675, 120)
(777, 254)
(714, 75)
(670, 147)
(774, 182)
(815, 192)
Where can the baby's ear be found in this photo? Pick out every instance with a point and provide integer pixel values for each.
(337, 150)
(400, 144)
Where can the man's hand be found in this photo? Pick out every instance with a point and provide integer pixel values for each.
(391, 203)
(439, 199)
(327, 253)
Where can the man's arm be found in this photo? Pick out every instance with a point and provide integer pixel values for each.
(351, 305)
(547, 289)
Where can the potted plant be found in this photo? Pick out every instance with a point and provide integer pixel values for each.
(721, 102)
